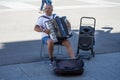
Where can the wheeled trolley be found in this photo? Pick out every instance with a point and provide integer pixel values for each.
(86, 39)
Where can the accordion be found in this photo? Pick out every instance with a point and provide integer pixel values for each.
(58, 28)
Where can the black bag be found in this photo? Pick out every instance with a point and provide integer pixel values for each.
(68, 66)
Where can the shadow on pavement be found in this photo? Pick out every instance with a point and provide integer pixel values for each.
(20, 52)
(29, 51)
(107, 42)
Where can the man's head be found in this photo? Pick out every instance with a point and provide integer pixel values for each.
(48, 9)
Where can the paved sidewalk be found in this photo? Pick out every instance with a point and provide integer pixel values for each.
(19, 43)
(102, 67)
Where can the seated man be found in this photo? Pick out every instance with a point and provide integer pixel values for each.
(40, 27)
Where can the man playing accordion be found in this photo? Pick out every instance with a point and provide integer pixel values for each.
(44, 33)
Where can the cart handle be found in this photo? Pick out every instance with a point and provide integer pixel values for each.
(88, 18)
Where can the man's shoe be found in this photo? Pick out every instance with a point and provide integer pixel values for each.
(52, 60)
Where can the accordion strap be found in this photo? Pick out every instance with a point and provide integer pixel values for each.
(53, 16)
(45, 17)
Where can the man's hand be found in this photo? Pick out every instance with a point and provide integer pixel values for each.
(47, 31)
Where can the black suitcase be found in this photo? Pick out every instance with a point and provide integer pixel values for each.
(68, 66)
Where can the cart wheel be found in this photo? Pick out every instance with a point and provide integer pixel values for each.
(92, 52)
(88, 58)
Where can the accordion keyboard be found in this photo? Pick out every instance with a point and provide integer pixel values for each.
(49, 26)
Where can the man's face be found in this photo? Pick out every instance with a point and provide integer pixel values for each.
(48, 10)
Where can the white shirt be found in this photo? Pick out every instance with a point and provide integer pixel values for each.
(41, 23)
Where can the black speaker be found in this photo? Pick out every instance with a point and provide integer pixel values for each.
(87, 30)
(86, 42)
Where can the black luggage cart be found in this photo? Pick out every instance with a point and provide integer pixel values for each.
(86, 39)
